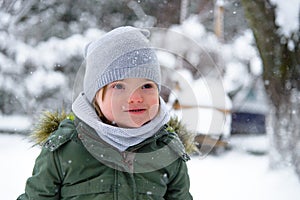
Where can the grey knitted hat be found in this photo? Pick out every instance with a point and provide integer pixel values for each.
(121, 53)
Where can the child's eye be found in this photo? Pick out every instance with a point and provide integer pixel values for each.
(118, 86)
(148, 86)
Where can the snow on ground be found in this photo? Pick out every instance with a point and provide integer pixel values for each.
(233, 175)
(8, 123)
(17, 159)
(236, 176)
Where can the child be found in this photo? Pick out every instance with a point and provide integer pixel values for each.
(118, 146)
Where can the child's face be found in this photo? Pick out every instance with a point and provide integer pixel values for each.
(130, 102)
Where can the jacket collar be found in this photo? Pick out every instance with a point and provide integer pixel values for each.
(152, 154)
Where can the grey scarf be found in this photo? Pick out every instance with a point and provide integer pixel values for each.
(120, 138)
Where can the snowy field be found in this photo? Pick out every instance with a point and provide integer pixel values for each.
(233, 175)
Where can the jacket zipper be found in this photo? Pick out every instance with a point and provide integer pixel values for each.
(122, 154)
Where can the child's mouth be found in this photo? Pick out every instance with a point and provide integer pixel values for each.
(136, 110)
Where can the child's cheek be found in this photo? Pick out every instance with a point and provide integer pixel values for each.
(154, 102)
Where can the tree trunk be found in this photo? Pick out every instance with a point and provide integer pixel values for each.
(184, 10)
(281, 75)
(219, 20)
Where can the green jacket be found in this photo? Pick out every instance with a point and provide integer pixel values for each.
(76, 164)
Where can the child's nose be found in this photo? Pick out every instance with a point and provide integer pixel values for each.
(136, 97)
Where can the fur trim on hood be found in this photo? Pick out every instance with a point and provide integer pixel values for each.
(49, 122)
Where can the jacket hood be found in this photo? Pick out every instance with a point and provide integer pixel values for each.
(50, 121)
